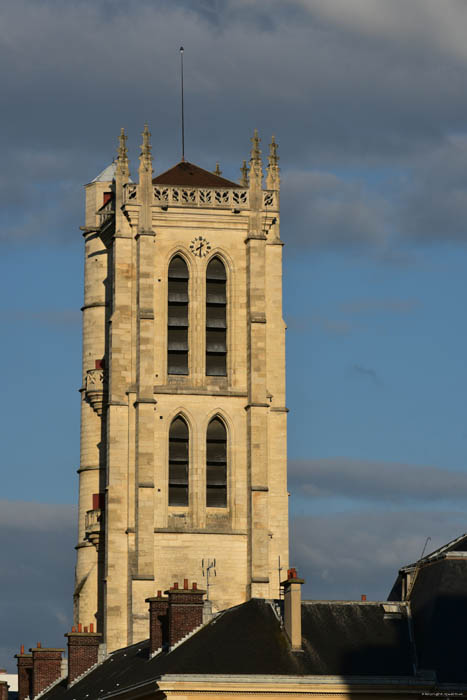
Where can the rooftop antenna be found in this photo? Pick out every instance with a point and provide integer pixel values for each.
(208, 566)
(428, 539)
(183, 107)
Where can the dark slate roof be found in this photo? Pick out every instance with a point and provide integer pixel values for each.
(356, 639)
(186, 174)
(339, 639)
(439, 611)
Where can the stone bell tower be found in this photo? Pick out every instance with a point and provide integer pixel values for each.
(183, 428)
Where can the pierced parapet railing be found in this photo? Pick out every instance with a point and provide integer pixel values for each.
(270, 199)
(167, 195)
(200, 197)
(94, 387)
(92, 526)
(107, 212)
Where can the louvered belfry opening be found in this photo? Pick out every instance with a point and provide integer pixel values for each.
(216, 464)
(216, 319)
(177, 334)
(178, 463)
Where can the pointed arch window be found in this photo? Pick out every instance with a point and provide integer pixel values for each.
(216, 464)
(178, 462)
(177, 332)
(216, 319)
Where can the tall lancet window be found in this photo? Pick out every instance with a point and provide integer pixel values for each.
(216, 319)
(177, 333)
(216, 464)
(178, 463)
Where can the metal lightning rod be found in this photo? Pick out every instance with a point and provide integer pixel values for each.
(183, 107)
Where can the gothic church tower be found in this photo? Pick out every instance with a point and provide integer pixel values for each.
(183, 428)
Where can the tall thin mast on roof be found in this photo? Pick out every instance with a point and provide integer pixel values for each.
(183, 107)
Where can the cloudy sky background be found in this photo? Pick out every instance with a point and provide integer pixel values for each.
(368, 102)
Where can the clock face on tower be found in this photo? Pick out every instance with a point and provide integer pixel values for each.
(200, 246)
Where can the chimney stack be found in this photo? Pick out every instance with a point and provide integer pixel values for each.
(158, 622)
(293, 608)
(3, 690)
(24, 663)
(172, 618)
(185, 611)
(83, 649)
(46, 668)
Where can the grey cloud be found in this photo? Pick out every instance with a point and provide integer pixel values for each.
(344, 555)
(376, 481)
(433, 206)
(37, 543)
(323, 210)
(362, 87)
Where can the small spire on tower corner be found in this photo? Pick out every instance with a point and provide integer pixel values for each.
(273, 157)
(218, 171)
(272, 172)
(255, 151)
(122, 156)
(244, 172)
(146, 145)
(145, 158)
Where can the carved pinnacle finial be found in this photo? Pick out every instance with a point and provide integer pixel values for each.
(122, 149)
(218, 171)
(244, 172)
(122, 155)
(255, 152)
(273, 157)
(146, 145)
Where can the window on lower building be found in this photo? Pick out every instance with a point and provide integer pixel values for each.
(178, 463)
(216, 319)
(216, 464)
(177, 332)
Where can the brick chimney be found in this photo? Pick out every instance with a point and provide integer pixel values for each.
(46, 668)
(3, 690)
(83, 649)
(185, 610)
(24, 662)
(172, 618)
(158, 622)
(293, 608)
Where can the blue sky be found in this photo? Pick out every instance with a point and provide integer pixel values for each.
(368, 102)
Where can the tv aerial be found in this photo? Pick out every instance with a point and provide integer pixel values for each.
(208, 567)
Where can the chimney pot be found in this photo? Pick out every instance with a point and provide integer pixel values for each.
(195, 586)
(73, 629)
(38, 645)
(176, 585)
(185, 584)
(22, 649)
(86, 630)
(363, 597)
(159, 594)
(79, 627)
(91, 627)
